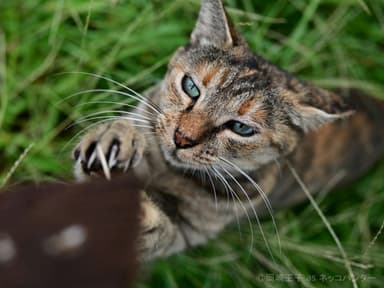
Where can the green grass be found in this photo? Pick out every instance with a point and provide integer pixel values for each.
(334, 43)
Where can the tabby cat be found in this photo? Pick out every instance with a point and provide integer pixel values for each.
(227, 125)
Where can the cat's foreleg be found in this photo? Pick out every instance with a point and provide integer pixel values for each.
(159, 236)
(121, 146)
(170, 224)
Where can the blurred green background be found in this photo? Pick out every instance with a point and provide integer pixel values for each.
(333, 43)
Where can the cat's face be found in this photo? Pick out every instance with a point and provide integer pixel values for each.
(219, 101)
(216, 107)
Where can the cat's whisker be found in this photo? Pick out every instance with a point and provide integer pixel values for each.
(137, 115)
(118, 111)
(87, 119)
(253, 210)
(262, 194)
(118, 104)
(111, 81)
(233, 193)
(135, 124)
(278, 165)
(225, 186)
(144, 101)
(90, 116)
(228, 189)
(119, 118)
(203, 176)
(212, 184)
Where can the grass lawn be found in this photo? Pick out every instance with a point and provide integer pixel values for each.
(334, 43)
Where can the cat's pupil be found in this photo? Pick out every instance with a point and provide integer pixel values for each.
(241, 128)
(190, 88)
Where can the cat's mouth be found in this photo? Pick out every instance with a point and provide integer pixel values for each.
(182, 158)
(185, 158)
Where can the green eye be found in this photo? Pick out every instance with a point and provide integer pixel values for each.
(241, 128)
(190, 88)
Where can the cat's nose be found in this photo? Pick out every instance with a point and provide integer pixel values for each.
(182, 141)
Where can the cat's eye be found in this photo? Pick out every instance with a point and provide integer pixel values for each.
(241, 128)
(190, 88)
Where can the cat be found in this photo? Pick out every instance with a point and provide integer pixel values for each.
(231, 117)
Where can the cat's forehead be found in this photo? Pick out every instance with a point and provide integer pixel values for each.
(212, 56)
(237, 70)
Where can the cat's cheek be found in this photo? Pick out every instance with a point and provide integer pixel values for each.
(256, 159)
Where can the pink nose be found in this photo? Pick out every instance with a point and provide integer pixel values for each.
(182, 141)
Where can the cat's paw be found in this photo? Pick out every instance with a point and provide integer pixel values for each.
(108, 148)
(156, 230)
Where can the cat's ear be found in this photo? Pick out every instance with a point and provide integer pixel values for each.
(312, 111)
(214, 28)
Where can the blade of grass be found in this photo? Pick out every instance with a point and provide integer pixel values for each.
(326, 223)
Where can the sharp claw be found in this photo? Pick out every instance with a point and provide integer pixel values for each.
(112, 158)
(103, 162)
(76, 154)
(92, 159)
(126, 166)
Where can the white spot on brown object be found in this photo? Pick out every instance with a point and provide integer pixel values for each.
(68, 241)
(7, 248)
